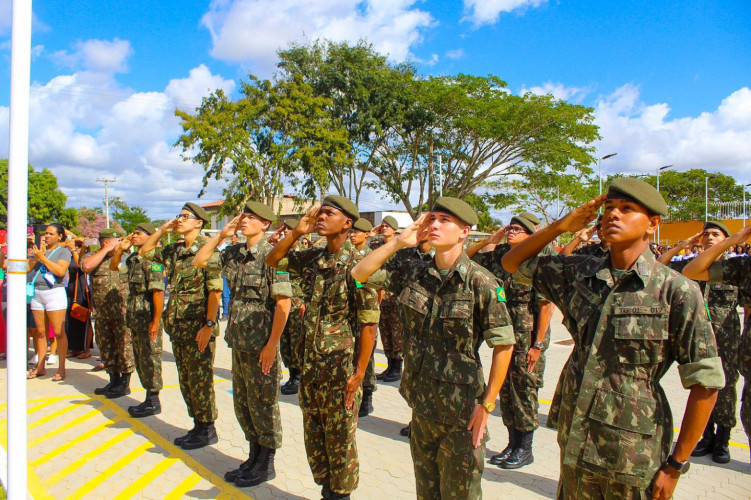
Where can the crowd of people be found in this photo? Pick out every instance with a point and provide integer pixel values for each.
(632, 308)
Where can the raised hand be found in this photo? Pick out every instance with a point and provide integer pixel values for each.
(169, 226)
(126, 243)
(413, 233)
(307, 223)
(581, 216)
(498, 236)
(231, 227)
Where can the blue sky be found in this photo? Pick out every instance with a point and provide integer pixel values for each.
(669, 80)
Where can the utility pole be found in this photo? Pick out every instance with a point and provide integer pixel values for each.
(107, 199)
(660, 169)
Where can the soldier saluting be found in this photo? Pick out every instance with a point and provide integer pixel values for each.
(630, 318)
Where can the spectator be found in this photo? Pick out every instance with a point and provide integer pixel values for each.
(78, 292)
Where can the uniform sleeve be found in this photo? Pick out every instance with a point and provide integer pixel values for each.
(550, 276)
(214, 282)
(366, 301)
(694, 346)
(156, 255)
(735, 271)
(396, 273)
(280, 284)
(497, 328)
(154, 276)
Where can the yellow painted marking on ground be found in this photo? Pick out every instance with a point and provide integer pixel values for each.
(545, 402)
(52, 416)
(184, 487)
(72, 443)
(76, 464)
(110, 471)
(144, 480)
(64, 427)
(42, 405)
(37, 490)
(175, 451)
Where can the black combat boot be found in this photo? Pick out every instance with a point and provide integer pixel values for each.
(262, 471)
(406, 431)
(113, 379)
(204, 435)
(513, 443)
(150, 406)
(179, 440)
(387, 371)
(120, 388)
(705, 446)
(231, 475)
(396, 372)
(366, 406)
(523, 454)
(293, 384)
(721, 451)
(339, 496)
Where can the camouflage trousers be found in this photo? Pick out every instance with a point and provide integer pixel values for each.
(291, 342)
(148, 354)
(447, 465)
(114, 342)
(195, 371)
(256, 398)
(725, 408)
(329, 432)
(391, 328)
(369, 380)
(575, 483)
(746, 408)
(519, 402)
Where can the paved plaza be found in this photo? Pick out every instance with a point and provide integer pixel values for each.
(86, 446)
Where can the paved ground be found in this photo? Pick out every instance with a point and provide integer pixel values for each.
(85, 446)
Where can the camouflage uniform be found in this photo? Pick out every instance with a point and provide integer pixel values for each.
(290, 345)
(391, 327)
(254, 287)
(335, 304)
(369, 382)
(109, 292)
(612, 416)
(519, 402)
(185, 316)
(144, 278)
(595, 250)
(446, 318)
(722, 304)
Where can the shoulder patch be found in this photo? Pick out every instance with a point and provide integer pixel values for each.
(358, 284)
(282, 272)
(500, 293)
(156, 268)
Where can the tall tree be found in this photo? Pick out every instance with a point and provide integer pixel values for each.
(128, 217)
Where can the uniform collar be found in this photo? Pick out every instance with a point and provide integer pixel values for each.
(460, 268)
(640, 268)
(255, 249)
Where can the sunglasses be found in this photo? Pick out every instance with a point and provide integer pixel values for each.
(185, 217)
(514, 229)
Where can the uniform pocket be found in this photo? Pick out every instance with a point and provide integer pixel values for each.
(252, 286)
(455, 385)
(640, 338)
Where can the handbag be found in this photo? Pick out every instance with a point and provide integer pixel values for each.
(77, 311)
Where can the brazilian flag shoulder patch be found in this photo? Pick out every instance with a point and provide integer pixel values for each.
(500, 293)
(358, 284)
(157, 268)
(282, 272)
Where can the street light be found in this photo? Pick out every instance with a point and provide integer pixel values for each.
(660, 169)
(599, 168)
(744, 204)
(706, 196)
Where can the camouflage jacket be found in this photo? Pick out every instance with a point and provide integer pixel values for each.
(445, 322)
(189, 287)
(109, 289)
(611, 413)
(594, 250)
(144, 278)
(335, 307)
(253, 289)
(736, 272)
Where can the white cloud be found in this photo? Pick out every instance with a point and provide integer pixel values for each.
(645, 137)
(253, 30)
(455, 54)
(96, 56)
(480, 12)
(559, 91)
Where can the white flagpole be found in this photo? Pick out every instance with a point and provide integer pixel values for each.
(18, 177)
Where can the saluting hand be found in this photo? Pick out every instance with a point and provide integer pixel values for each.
(307, 223)
(581, 216)
(231, 227)
(169, 226)
(414, 233)
(739, 237)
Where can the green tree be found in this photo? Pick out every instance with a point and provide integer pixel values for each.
(128, 217)
(46, 201)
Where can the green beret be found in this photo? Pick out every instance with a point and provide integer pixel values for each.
(639, 191)
(261, 210)
(719, 225)
(198, 211)
(291, 222)
(110, 233)
(391, 222)
(362, 225)
(523, 222)
(341, 203)
(530, 217)
(457, 208)
(146, 227)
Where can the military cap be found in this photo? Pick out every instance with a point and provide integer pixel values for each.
(719, 225)
(362, 225)
(524, 222)
(110, 233)
(291, 222)
(341, 203)
(197, 210)
(146, 227)
(530, 217)
(639, 191)
(261, 210)
(391, 221)
(457, 208)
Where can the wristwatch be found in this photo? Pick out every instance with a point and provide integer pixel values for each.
(489, 407)
(681, 467)
(210, 323)
(539, 345)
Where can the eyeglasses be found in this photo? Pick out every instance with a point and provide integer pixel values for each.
(185, 217)
(514, 229)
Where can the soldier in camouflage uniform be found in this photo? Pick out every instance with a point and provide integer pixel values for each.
(630, 317)
(599, 250)
(722, 304)
(531, 315)
(736, 271)
(450, 306)
(336, 307)
(144, 313)
(190, 319)
(109, 293)
(259, 310)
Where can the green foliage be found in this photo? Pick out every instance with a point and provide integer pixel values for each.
(128, 217)
(487, 223)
